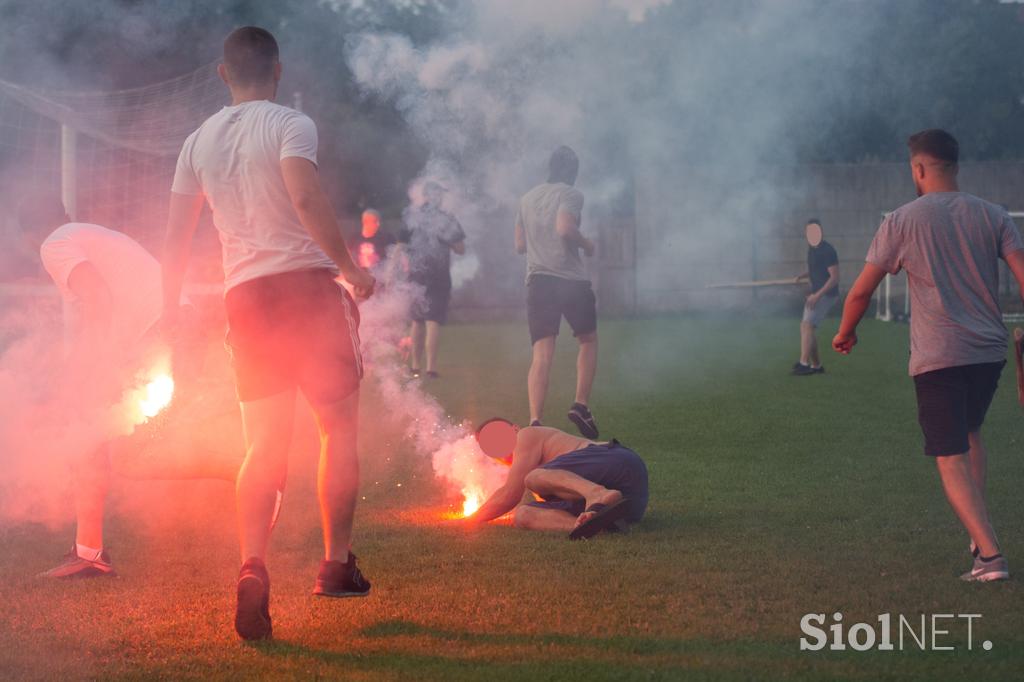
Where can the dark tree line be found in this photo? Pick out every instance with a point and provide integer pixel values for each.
(863, 73)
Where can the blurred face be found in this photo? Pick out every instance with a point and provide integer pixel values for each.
(371, 223)
(433, 196)
(497, 439)
(813, 232)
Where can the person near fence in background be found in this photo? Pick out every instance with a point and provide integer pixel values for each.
(823, 275)
(291, 326)
(548, 231)
(431, 235)
(370, 246)
(949, 243)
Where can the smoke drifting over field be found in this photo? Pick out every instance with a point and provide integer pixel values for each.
(682, 113)
(678, 107)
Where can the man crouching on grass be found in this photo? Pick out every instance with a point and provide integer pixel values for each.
(582, 487)
(949, 242)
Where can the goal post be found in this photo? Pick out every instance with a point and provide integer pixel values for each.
(109, 155)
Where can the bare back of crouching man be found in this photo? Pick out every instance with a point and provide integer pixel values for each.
(584, 487)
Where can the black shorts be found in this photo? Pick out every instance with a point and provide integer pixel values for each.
(611, 465)
(294, 330)
(952, 402)
(548, 298)
(433, 305)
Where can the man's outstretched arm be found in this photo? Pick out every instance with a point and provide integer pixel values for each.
(182, 219)
(567, 226)
(857, 302)
(317, 216)
(502, 501)
(524, 460)
(1015, 261)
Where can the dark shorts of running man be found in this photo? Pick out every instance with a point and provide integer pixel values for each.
(611, 465)
(432, 306)
(549, 298)
(294, 330)
(952, 402)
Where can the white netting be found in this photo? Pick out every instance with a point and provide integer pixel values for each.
(125, 142)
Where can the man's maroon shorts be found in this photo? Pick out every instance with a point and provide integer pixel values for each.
(294, 330)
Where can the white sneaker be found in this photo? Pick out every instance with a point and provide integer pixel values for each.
(983, 571)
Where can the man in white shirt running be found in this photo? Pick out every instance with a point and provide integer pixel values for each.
(291, 325)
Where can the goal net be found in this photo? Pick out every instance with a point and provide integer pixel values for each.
(109, 155)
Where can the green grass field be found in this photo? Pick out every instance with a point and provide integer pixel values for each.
(772, 496)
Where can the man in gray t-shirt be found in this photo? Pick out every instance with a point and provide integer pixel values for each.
(548, 232)
(949, 243)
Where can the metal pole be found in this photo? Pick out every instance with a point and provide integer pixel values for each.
(906, 297)
(68, 174)
(888, 298)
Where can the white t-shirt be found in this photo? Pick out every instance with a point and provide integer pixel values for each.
(132, 275)
(234, 159)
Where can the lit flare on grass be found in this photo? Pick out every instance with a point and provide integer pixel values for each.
(473, 498)
(149, 394)
(470, 472)
(156, 395)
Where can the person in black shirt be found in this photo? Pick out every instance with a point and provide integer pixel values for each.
(823, 275)
(432, 235)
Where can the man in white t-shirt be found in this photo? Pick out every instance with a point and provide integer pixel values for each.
(110, 286)
(290, 324)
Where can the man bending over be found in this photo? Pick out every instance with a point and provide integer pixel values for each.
(581, 486)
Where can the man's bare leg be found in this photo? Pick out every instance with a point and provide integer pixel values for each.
(566, 485)
(433, 339)
(540, 370)
(979, 462)
(812, 351)
(806, 341)
(538, 518)
(418, 333)
(338, 474)
(268, 432)
(92, 481)
(967, 501)
(586, 366)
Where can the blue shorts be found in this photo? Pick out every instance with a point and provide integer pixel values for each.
(814, 316)
(611, 465)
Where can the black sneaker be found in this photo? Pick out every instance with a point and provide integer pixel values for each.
(414, 372)
(803, 371)
(431, 374)
(584, 421)
(536, 422)
(820, 369)
(74, 567)
(252, 615)
(341, 580)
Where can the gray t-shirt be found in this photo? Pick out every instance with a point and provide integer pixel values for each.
(546, 252)
(950, 244)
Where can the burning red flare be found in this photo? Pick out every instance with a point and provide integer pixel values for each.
(156, 395)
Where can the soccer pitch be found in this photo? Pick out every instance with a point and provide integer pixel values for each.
(772, 496)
